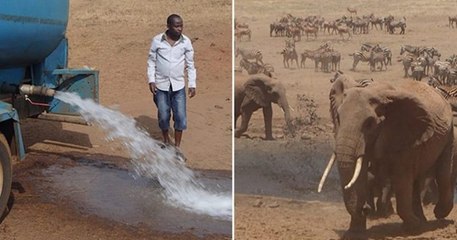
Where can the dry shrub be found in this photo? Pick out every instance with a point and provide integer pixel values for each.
(305, 116)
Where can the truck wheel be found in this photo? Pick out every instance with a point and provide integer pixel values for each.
(5, 175)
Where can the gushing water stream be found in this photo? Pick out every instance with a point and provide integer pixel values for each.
(181, 187)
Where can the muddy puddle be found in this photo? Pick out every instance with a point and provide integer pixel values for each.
(289, 170)
(115, 194)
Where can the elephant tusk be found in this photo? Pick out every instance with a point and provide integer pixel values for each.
(326, 171)
(358, 167)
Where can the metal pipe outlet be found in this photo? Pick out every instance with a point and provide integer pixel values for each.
(26, 89)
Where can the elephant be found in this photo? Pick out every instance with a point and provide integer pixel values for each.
(401, 131)
(259, 91)
(382, 190)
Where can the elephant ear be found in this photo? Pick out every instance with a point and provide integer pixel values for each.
(341, 83)
(258, 89)
(410, 120)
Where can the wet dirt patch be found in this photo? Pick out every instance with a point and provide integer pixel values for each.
(104, 190)
(290, 169)
(287, 169)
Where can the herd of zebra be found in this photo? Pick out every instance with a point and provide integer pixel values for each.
(295, 27)
(425, 61)
(417, 61)
(373, 54)
(325, 58)
(325, 55)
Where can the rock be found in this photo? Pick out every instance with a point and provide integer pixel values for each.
(306, 136)
(273, 205)
(218, 106)
(258, 203)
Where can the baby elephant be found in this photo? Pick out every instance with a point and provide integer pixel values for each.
(259, 91)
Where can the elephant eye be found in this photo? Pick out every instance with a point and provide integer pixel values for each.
(370, 124)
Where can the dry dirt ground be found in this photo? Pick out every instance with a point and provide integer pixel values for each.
(276, 181)
(114, 37)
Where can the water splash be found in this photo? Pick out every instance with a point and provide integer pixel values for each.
(181, 187)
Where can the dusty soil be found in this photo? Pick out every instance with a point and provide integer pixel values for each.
(114, 37)
(276, 181)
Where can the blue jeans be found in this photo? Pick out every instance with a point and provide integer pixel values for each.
(174, 101)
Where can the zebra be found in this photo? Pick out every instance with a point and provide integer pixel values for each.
(344, 29)
(289, 54)
(336, 59)
(378, 48)
(452, 20)
(376, 21)
(255, 68)
(307, 54)
(409, 48)
(358, 57)
(364, 82)
(450, 95)
(248, 54)
(377, 57)
(441, 70)
(392, 24)
(434, 82)
(239, 32)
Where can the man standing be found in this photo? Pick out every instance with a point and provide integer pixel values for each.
(170, 53)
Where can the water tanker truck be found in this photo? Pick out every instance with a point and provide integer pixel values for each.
(33, 65)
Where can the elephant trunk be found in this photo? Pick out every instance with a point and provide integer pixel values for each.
(355, 197)
(283, 103)
(353, 175)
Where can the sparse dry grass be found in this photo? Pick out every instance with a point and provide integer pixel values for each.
(272, 9)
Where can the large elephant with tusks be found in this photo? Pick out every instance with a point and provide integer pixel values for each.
(403, 131)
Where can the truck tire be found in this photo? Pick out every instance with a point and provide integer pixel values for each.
(6, 176)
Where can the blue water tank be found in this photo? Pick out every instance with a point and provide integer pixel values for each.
(30, 30)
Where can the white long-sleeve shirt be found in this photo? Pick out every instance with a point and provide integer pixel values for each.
(166, 63)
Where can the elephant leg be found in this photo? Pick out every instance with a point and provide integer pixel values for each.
(445, 179)
(237, 111)
(371, 191)
(403, 184)
(417, 203)
(429, 194)
(387, 193)
(354, 231)
(267, 118)
(246, 113)
(384, 203)
(245, 117)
